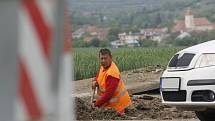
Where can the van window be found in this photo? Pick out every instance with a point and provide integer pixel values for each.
(181, 61)
(207, 60)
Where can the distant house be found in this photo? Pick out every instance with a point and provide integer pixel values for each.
(182, 35)
(90, 32)
(88, 39)
(129, 40)
(78, 33)
(192, 24)
(132, 43)
(117, 44)
(156, 34)
(103, 33)
(131, 36)
(127, 43)
(100, 33)
(124, 36)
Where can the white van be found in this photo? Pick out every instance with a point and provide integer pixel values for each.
(189, 80)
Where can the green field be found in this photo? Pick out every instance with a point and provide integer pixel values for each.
(87, 63)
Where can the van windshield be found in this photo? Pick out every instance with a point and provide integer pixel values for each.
(181, 60)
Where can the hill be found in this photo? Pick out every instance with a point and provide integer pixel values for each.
(136, 13)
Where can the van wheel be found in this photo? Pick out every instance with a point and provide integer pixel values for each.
(207, 115)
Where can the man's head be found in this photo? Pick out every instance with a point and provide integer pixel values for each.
(105, 57)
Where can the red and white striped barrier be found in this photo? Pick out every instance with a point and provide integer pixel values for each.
(36, 99)
(66, 75)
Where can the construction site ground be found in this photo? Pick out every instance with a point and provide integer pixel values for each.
(143, 87)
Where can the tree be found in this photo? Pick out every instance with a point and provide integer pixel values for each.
(113, 33)
(187, 41)
(112, 37)
(76, 43)
(158, 19)
(195, 38)
(148, 43)
(104, 43)
(95, 42)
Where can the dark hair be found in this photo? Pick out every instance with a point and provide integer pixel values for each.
(105, 51)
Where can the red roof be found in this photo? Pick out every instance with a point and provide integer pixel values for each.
(157, 30)
(201, 21)
(180, 25)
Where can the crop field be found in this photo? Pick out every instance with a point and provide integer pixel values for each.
(86, 61)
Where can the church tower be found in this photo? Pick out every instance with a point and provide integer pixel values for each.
(189, 19)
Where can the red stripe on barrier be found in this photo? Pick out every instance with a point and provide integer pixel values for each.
(67, 32)
(42, 29)
(27, 93)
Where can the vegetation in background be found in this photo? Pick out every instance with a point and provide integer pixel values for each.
(136, 13)
(95, 42)
(148, 43)
(131, 16)
(87, 61)
(195, 38)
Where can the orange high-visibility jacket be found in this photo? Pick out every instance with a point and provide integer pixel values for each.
(120, 99)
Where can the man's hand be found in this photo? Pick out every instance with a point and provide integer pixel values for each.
(93, 104)
(94, 101)
(94, 84)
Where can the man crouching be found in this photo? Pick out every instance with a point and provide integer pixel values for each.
(111, 92)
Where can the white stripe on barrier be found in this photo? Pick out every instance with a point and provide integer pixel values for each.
(35, 61)
(65, 102)
(47, 10)
(20, 111)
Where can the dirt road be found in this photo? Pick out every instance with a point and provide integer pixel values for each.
(136, 81)
(144, 107)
